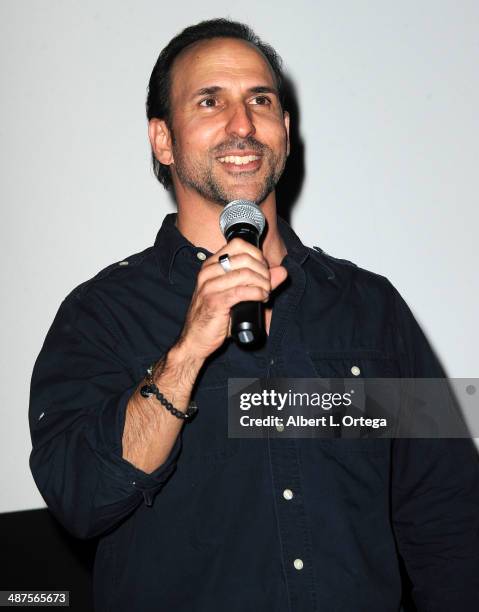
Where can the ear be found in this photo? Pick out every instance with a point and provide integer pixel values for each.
(286, 125)
(160, 139)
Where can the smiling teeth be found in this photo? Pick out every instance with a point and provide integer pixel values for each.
(237, 160)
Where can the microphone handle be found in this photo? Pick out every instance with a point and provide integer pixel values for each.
(247, 320)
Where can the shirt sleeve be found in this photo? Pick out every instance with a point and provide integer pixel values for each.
(435, 494)
(79, 393)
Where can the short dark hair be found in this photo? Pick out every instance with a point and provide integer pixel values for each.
(158, 98)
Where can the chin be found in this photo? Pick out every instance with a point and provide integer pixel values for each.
(245, 193)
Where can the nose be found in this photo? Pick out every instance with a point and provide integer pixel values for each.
(240, 122)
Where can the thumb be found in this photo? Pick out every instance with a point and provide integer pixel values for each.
(278, 275)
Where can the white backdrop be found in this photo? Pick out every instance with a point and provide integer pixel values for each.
(388, 96)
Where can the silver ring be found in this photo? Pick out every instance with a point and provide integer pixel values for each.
(225, 262)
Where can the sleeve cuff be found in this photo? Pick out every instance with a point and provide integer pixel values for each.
(112, 421)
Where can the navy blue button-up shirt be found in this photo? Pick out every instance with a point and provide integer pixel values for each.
(234, 524)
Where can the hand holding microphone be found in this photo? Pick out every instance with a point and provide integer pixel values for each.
(244, 219)
(212, 317)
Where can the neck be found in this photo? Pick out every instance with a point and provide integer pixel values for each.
(200, 225)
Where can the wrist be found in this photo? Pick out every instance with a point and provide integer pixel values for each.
(182, 366)
(183, 354)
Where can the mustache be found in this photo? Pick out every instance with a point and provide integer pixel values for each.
(240, 145)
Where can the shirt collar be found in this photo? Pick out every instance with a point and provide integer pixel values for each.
(170, 242)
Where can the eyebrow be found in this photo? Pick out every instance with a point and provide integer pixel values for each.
(258, 89)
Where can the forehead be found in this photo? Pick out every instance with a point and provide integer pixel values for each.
(220, 61)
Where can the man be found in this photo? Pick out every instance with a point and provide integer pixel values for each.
(188, 518)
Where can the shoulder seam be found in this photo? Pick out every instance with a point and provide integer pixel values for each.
(123, 264)
(337, 259)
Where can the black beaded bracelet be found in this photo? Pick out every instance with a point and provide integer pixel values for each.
(151, 389)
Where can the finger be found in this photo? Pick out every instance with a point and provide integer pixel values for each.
(234, 247)
(242, 276)
(243, 260)
(243, 293)
(278, 275)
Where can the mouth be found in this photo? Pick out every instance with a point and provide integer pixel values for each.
(240, 163)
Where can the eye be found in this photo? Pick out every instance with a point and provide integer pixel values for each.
(263, 100)
(208, 100)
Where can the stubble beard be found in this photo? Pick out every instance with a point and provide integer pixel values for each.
(202, 179)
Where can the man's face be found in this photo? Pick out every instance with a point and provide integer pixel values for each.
(230, 137)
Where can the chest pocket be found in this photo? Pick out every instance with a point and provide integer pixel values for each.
(348, 371)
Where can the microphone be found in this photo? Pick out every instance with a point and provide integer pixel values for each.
(244, 219)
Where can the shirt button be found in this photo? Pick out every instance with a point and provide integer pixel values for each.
(201, 255)
(298, 564)
(288, 494)
(355, 371)
(279, 427)
(123, 263)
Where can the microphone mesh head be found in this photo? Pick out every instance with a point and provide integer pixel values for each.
(242, 211)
